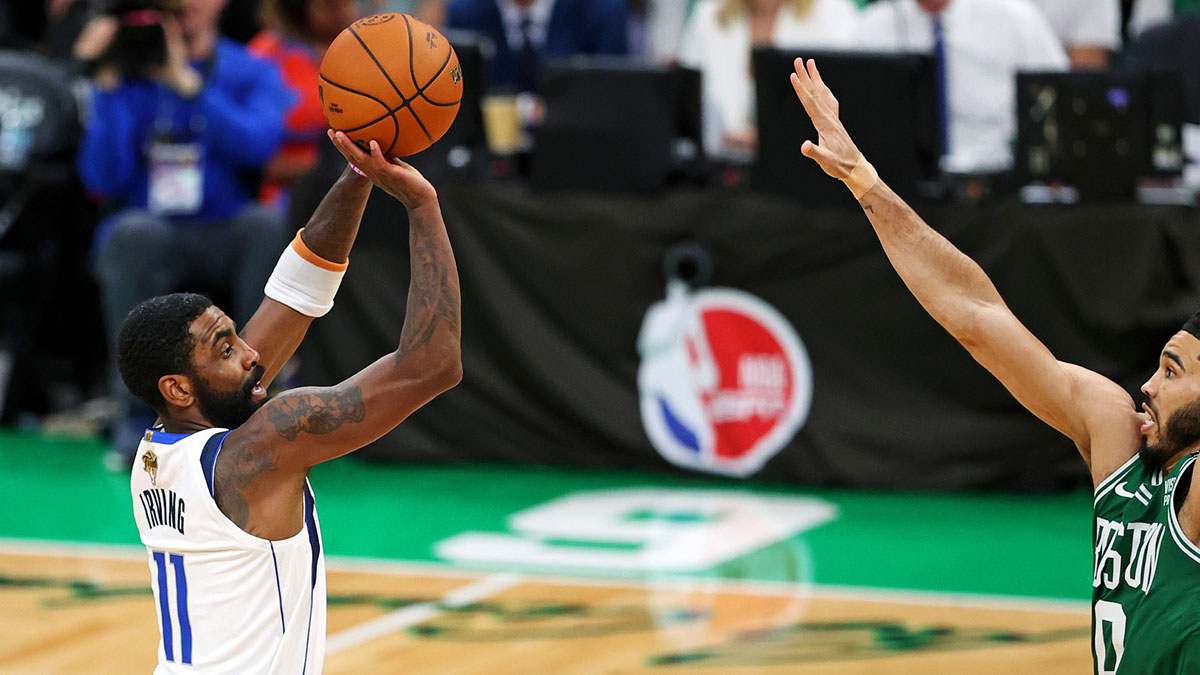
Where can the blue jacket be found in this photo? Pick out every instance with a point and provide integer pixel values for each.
(575, 27)
(237, 119)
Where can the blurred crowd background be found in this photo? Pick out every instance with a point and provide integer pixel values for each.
(148, 146)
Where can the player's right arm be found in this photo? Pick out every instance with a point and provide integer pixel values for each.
(1091, 410)
(261, 468)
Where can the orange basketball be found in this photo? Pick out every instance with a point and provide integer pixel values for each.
(391, 78)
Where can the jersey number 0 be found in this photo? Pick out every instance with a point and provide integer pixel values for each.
(1112, 614)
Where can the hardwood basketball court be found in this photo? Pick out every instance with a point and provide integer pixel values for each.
(488, 569)
(89, 610)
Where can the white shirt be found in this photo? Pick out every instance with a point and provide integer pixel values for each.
(1084, 23)
(722, 55)
(228, 603)
(1147, 14)
(539, 14)
(987, 43)
(665, 20)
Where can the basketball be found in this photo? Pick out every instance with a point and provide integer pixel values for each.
(392, 79)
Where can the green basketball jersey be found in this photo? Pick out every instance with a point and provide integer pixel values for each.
(1146, 579)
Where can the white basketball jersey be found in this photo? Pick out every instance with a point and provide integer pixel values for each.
(228, 602)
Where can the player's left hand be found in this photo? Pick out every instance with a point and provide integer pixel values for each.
(833, 151)
(397, 178)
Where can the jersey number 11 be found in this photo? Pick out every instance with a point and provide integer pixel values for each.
(181, 607)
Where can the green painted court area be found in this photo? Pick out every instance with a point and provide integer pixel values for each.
(979, 543)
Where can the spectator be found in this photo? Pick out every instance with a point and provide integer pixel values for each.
(1173, 46)
(48, 26)
(432, 12)
(719, 38)
(1090, 30)
(656, 27)
(527, 32)
(664, 24)
(1146, 14)
(241, 20)
(298, 33)
(978, 48)
(180, 125)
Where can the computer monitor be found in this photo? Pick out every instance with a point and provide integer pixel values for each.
(1098, 131)
(887, 103)
(616, 125)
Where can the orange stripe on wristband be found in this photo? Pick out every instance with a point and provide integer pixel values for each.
(305, 252)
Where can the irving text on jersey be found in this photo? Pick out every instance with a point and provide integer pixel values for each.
(163, 507)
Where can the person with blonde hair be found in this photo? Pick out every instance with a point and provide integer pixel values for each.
(718, 40)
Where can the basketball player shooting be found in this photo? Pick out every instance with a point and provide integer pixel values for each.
(1146, 583)
(220, 489)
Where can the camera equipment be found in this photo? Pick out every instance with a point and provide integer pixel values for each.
(1099, 132)
(139, 48)
(612, 125)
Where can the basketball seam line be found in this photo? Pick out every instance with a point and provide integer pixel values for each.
(405, 100)
(395, 124)
(392, 111)
(419, 123)
(412, 68)
(421, 90)
(379, 65)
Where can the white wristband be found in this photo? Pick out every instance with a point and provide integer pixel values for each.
(305, 281)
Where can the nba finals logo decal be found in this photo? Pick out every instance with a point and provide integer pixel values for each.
(374, 20)
(724, 380)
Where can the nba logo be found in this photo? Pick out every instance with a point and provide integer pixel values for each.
(724, 381)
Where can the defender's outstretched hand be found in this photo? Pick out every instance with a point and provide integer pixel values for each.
(834, 150)
(397, 178)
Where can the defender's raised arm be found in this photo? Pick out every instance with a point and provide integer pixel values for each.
(1088, 408)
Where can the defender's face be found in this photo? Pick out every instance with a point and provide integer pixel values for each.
(228, 385)
(1171, 416)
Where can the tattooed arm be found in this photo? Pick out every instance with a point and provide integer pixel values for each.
(260, 470)
(276, 330)
(1088, 408)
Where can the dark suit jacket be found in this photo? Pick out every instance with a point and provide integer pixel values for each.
(1176, 47)
(575, 27)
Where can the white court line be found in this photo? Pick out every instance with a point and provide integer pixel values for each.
(746, 586)
(751, 587)
(419, 613)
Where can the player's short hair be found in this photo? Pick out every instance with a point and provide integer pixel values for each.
(154, 341)
(1192, 325)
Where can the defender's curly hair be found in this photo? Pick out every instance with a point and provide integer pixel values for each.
(154, 341)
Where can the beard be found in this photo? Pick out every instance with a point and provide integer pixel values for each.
(1181, 431)
(228, 409)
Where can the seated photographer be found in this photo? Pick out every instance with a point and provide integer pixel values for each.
(181, 124)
